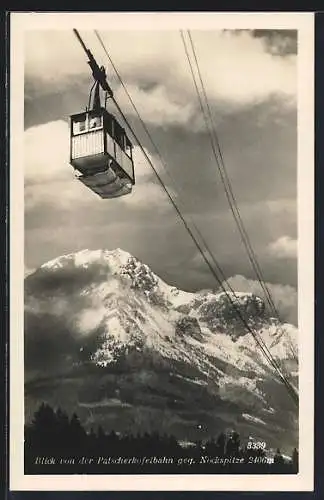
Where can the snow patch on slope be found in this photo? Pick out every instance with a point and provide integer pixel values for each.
(84, 258)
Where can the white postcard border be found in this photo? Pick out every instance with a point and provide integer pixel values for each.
(304, 23)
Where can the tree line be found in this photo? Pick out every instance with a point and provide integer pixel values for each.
(58, 444)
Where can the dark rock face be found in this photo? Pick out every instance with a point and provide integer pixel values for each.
(230, 314)
(189, 326)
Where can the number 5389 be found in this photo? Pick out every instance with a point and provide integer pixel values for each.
(256, 445)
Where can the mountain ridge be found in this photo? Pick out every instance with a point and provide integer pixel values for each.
(112, 311)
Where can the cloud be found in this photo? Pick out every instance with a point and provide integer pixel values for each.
(252, 96)
(237, 70)
(157, 106)
(49, 177)
(90, 319)
(46, 152)
(43, 56)
(284, 297)
(284, 247)
(277, 42)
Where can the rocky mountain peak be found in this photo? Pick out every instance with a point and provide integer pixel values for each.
(105, 314)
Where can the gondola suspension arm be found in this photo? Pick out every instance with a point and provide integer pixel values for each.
(98, 73)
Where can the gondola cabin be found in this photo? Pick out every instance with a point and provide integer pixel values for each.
(101, 153)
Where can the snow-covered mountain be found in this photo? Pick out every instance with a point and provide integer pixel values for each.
(106, 337)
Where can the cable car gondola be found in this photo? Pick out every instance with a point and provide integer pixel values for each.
(100, 150)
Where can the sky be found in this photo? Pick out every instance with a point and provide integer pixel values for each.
(251, 82)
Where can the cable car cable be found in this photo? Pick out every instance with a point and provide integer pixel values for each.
(243, 232)
(260, 343)
(229, 190)
(222, 170)
(265, 351)
(263, 347)
(212, 144)
(273, 362)
(247, 242)
(227, 184)
(245, 238)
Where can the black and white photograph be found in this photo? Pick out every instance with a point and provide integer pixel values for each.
(161, 177)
